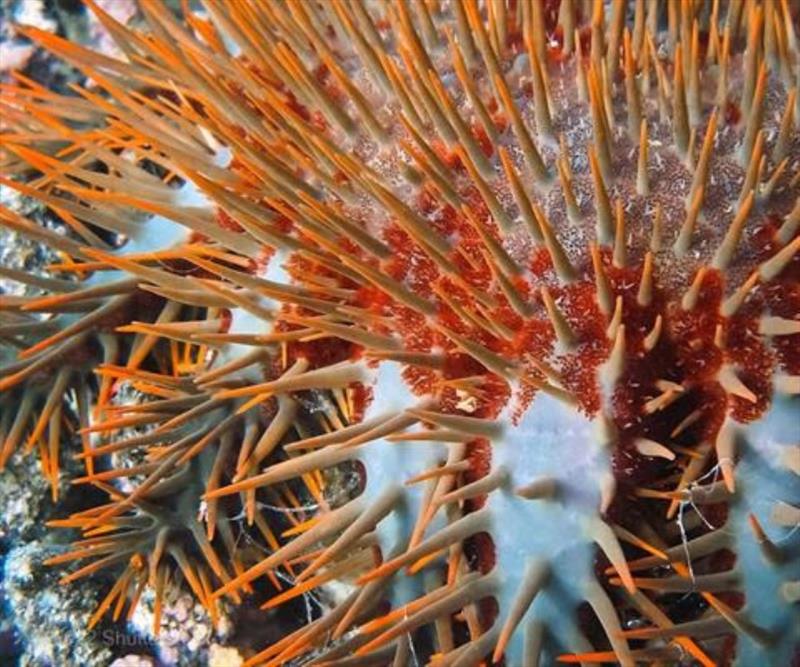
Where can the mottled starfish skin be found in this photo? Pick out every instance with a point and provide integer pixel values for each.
(518, 377)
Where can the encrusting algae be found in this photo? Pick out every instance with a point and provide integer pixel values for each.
(528, 268)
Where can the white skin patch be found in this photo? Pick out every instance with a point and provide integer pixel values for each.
(761, 482)
(390, 463)
(552, 440)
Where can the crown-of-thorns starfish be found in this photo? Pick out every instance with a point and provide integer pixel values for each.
(530, 268)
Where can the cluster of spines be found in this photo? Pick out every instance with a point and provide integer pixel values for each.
(263, 194)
